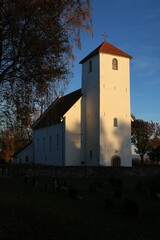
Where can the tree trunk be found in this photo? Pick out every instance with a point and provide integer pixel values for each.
(142, 159)
(2, 5)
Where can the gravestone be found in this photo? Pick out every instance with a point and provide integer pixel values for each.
(115, 182)
(117, 193)
(3, 171)
(143, 189)
(65, 185)
(109, 203)
(92, 187)
(35, 182)
(132, 208)
(46, 187)
(72, 192)
(58, 186)
(139, 186)
(96, 187)
(26, 178)
(54, 184)
(99, 186)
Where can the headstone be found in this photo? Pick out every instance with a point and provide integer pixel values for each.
(46, 187)
(72, 192)
(143, 189)
(157, 195)
(80, 197)
(99, 186)
(109, 203)
(132, 208)
(35, 182)
(65, 184)
(139, 186)
(58, 186)
(96, 187)
(3, 171)
(117, 193)
(92, 187)
(115, 182)
(26, 178)
(55, 185)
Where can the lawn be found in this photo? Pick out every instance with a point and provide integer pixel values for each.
(29, 212)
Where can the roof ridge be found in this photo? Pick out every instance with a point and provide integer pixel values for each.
(106, 47)
(113, 48)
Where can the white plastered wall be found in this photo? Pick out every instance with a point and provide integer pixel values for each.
(115, 103)
(90, 112)
(72, 120)
(47, 150)
(25, 154)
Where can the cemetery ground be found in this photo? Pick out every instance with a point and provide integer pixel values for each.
(80, 208)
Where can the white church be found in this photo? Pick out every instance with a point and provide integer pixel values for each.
(90, 126)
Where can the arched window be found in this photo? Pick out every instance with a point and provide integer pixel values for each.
(90, 66)
(115, 122)
(114, 64)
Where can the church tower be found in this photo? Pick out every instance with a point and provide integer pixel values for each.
(106, 121)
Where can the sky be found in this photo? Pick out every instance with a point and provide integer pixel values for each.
(134, 27)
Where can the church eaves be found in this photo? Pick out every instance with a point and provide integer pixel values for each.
(106, 47)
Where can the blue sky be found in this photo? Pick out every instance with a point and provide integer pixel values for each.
(134, 27)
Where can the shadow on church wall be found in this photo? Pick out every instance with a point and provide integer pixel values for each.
(115, 143)
(73, 145)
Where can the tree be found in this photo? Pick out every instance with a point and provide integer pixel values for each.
(154, 154)
(37, 38)
(16, 135)
(143, 134)
(6, 144)
(155, 142)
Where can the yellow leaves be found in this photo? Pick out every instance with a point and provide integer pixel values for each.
(44, 33)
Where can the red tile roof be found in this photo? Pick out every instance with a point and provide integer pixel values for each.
(57, 109)
(106, 47)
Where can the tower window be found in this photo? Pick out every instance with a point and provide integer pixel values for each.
(43, 144)
(114, 64)
(115, 122)
(90, 66)
(57, 141)
(37, 144)
(50, 143)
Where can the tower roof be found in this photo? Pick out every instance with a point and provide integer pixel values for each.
(106, 47)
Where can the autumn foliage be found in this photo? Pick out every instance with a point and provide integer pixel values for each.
(145, 136)
(37, 38)
(36, 45)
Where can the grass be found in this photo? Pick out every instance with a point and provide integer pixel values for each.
(30, 213)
